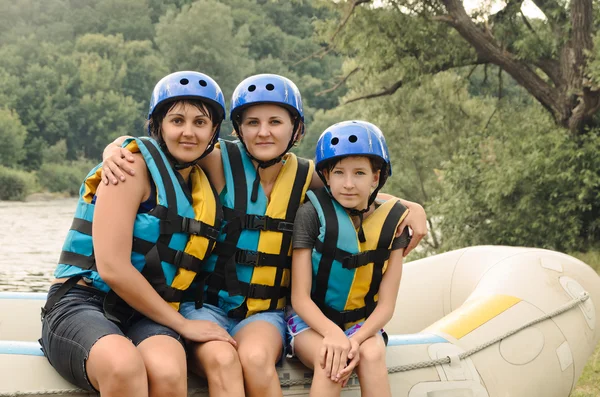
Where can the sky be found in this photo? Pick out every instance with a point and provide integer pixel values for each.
(529, 9)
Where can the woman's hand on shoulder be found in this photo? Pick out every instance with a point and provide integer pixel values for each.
(116, 162)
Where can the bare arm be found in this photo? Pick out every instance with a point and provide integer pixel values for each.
(388, 293)
(112, 230)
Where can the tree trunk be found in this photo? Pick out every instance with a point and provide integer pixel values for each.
(569, 97)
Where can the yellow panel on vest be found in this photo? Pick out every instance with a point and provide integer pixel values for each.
(473, 315)
(205, 206)
(372, 226)
(269, 241)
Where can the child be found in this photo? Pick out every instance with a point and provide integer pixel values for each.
(111, 323)
(347, 263)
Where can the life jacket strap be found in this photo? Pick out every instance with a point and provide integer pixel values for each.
(173, 223)
(62, 290)
(353, 261)
(259, 291)
(239, 221)
(180, 259)
(252, 258)
(346, 316)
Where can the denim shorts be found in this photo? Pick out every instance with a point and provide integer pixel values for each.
(233, 325)
(76, 322)
(295, 325)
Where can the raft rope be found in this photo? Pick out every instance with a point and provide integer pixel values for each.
(400, 368)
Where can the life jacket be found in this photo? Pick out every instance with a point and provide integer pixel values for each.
(250, 266)
(171, 242)
(346, 272)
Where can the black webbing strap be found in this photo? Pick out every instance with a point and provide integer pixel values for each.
(329, 247)
(180, 224)
(152, 270)
(290, 215)
(259, 291)
(62, 290)
(353, 261)
(346, 316)
(180, 259)
(388, 232)
(224, 276)
(255, 222)
(73, 259)
(252, 258)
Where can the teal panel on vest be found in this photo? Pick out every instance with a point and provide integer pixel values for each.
(340, 279)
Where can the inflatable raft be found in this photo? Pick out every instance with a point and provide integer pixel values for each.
(477, 322)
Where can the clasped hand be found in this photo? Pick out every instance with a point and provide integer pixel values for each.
(339, 356)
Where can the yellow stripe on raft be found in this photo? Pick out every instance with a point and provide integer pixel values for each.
(472, 315)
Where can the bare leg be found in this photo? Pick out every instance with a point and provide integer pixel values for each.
(307, 345)
(372, 369)
(259, 347)
(219, 363)
(117, 374)
(164, 358)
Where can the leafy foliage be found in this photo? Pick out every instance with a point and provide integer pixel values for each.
(523, 182)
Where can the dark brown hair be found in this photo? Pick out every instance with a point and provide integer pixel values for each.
(155, 122)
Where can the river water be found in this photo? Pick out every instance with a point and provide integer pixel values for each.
(31, 238)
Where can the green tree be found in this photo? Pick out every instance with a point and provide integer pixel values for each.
(193, 39)
(12, 136)
(399, 41)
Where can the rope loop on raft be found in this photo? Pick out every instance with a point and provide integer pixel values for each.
(447, 360)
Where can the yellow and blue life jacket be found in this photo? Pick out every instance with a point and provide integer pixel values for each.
(250, 266)
(346, 272)
(171, 242)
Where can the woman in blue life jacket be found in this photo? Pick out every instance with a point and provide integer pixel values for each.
(261, 185)
(347, 263)
(111, 323)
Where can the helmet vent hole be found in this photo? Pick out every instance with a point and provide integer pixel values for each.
(270, 87)
(252, 88)
(352, 138)
(202, 83)
(335, 141)
(184, 81)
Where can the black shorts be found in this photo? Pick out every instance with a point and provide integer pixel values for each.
(77, 322)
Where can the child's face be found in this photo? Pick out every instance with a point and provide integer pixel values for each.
(351, 181)
(266, 130)
(186, 131)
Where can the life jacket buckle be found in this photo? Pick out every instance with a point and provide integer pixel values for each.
(285, 227)
(247, 257)
(211, 232)
(178, 258)
(256, 222)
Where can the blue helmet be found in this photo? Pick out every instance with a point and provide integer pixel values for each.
(352, 138)
(266, 88)
(188, 85)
